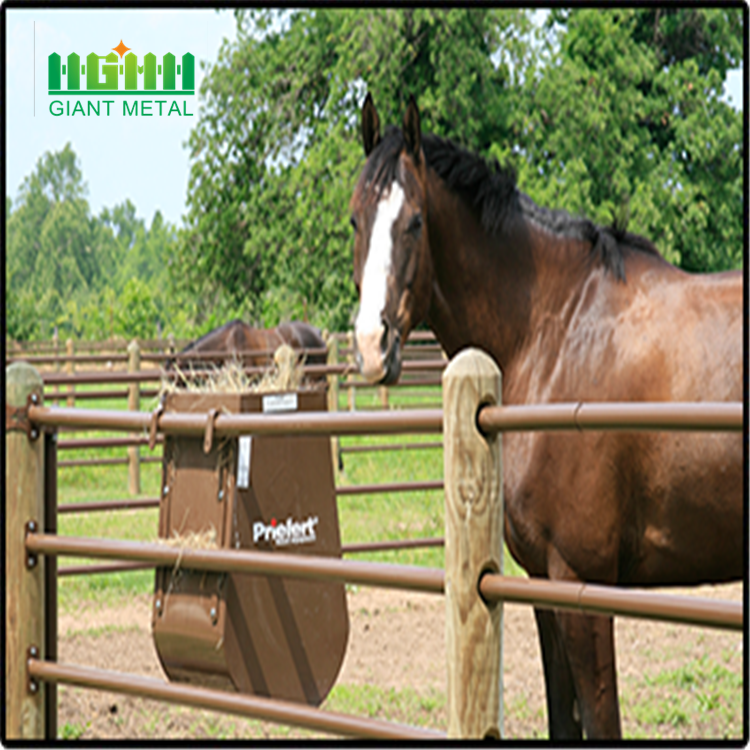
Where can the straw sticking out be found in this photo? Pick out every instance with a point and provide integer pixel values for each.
(286, 374)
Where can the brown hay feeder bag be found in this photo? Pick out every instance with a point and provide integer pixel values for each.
(266, 635)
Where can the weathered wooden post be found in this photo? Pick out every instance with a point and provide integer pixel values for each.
(24, 575)
(351, 390)
(473, 546)
(332, 359)
(134, 404)
(70, 369)
(56, 346)
(383, 395)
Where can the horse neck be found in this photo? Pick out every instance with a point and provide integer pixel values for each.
(495, 291)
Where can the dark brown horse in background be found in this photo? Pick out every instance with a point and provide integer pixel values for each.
(252, 346)
(570, 311)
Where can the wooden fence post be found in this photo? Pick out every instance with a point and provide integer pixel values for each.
(134, 404)
(56, 345)
(70, 369)
(383, 395)
(333, 395)
(351, 390)
(24, 583)
(473, 545)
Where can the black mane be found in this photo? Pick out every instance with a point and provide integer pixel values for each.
(491, 189)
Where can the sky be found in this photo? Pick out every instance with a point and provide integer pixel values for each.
(140, 158)
(121, 157)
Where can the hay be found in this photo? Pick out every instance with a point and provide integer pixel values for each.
(286, 374)
(191, 540)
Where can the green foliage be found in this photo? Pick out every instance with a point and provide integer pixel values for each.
(276, 150)
(616, 114)
(626, 120)
(91, 277)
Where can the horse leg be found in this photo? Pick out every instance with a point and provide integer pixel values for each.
(589, 643)
(562, 718)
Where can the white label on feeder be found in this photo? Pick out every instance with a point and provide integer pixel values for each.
(280, 402)
(243, 462)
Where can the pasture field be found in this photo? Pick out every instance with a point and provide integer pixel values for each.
(675, 681)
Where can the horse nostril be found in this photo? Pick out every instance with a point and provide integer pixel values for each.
(384, 337)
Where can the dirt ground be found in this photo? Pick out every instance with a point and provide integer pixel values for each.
(396, 641)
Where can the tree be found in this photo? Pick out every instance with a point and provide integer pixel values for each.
(626, 121)
(276, 150)
(90, 276)
(56, 251)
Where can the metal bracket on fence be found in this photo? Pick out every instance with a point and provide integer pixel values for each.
(155, 414)
(32, 685)
(30, 528)
(17, 417)
(209, 436)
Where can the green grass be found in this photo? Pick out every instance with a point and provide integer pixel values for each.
(403, 706)
(701, 698)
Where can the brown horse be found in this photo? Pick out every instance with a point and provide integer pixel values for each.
(570, 311)
(253, 346)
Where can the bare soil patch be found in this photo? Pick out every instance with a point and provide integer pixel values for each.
(397, 640)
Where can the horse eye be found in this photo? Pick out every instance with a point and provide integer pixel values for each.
(415, 224)
(353, 222)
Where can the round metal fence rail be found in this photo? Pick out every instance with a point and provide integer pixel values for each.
(144, 376)
(346, 549)
(708, 416)
(255, 707)
(711, 416)
(584, 597)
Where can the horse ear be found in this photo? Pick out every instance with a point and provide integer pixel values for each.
(370, 125)
(412, 129)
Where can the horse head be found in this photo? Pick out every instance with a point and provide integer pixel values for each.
(392, 266)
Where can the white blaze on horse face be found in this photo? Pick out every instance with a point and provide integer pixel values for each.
(369, 326)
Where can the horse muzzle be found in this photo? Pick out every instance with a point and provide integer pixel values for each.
(378, 354)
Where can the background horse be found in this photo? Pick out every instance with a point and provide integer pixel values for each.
(570, 311)
(253, 346)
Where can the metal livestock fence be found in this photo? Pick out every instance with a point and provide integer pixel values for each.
(33, 547)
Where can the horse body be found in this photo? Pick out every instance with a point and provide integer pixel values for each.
(301, 335)
(256, 345)
(570, 312)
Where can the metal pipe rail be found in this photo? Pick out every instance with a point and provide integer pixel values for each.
(252, 706)
(153, 502)
(224, 354)
(153, 356)
(106, 461)
(714, 416)
(408, 577)
(108, 505)
(374, 447)
(142, 376)
(370, 489)
(673, 415)
(539, 592)
(80, 444)
(346, 549)
(607, 600)
(102, 395)
(310, 423)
